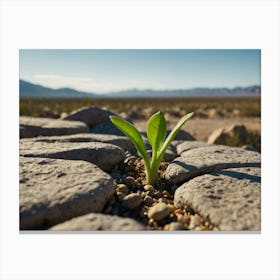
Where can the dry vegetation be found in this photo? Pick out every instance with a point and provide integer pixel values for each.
(210, 113)
(138, 108)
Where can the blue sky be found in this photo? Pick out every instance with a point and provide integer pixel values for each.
(102, 71)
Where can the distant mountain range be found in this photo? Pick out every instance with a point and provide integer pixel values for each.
(29, 90)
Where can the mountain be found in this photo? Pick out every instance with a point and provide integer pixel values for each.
(29, 90)
(194, 92)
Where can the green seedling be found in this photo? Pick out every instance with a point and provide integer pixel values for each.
(156, 132)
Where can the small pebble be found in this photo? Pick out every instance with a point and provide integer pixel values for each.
(174, 226)
(166, 194)
(162, 199)
(122, 188)
(195, 221)
(179, 211)
(130, 160)
(132, 200)
(171, 207)
(151, 222)
(143, 211)
(129, 180)
(149, 188)
(148, 200)
(157, 194)
(158, 212)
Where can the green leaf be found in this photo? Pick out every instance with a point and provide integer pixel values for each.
(173, 133)
(128, 129)
(156, 131)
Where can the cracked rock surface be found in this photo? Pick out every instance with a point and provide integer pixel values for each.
(33, 127)
(104, 155)
(54, 190)
(94, 221)
(195, 162)
(120, 141)
(230, 198)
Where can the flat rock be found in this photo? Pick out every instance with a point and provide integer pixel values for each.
(120, 141)
(94, 222)
(52, 191)
(105, 156)
(32, 127)
(203, 160)
(190, 145)
(229, 198)
(90, 115)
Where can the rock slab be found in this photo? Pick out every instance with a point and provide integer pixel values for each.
(230, 198)
(208, 159)
(95, 222)
(190, 145)
(105, 156)
(90, 115)
(33, 127)
(54, 190)
(120, 141)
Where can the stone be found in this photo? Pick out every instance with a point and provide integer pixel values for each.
(149, 188)
(129, 180)
(148, 200)
(33, 127)
(174, 226)
(96, 221)
(203, 160)
(195, 221)
(158, 211)
(90, 115)
(120, 141)
(105, 156)
(235, 135)
(52, 191)
(190, 145)
(229, 198)
(132, 200)
(122, 188)
(106, 128)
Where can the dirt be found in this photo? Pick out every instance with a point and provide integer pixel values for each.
(130, 176)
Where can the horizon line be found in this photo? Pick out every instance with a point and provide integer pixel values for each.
(139, 89)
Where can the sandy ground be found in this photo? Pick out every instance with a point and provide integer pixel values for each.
(201, 129)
